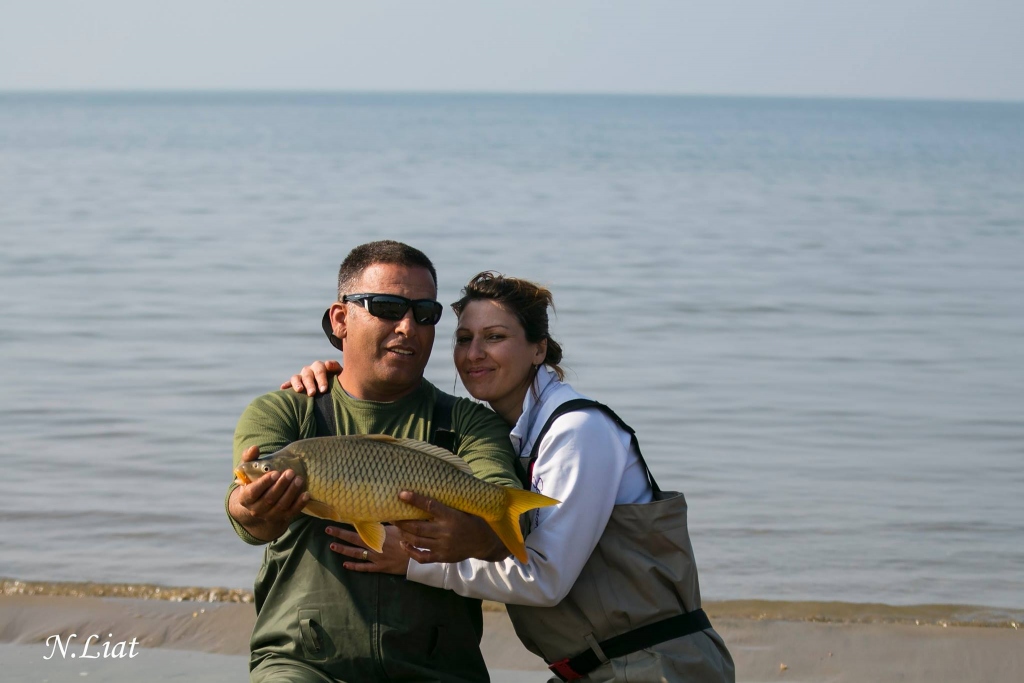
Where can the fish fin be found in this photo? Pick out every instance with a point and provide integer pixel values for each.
(322, 510)
(372, 534)
(437, 452)
(422, 447)
(507, 528)
(375, 437)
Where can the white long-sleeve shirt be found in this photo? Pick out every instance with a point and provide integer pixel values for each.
(586, 462)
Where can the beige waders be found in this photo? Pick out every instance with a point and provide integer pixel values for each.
(634, 589)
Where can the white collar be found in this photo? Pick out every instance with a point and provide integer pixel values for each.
(545, 382)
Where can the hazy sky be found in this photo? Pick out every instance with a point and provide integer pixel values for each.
(972, 49)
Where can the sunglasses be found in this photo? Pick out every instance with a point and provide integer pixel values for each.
(394, 307)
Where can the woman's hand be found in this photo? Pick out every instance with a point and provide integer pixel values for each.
(449, 535)
(392, 560)
(313, 378)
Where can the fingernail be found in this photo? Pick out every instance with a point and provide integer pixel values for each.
(298, 481)
(323, 387)
(274, 475)
(334, 546)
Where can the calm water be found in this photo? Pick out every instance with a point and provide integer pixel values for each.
(812, 312)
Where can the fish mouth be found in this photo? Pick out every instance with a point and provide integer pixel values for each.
(241, 477)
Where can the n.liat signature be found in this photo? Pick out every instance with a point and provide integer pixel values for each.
(118, 650)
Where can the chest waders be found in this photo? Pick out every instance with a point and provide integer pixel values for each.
(634, 612)
(319, 622)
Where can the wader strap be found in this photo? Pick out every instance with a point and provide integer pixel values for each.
(442, 421)
(580, 404)
(575, 668)
(323, 413)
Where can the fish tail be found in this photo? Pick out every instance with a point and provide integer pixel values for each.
(507, 527)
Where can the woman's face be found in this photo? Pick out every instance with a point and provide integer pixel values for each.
(493, 357)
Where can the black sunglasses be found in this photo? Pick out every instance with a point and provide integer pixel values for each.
(393, 307)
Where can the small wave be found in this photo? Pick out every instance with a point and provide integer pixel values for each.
(760, 610)
(867, 613)
(141, 591)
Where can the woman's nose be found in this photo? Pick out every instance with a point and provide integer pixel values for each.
(476, 350)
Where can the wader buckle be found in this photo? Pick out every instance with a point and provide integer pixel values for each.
(562, 669)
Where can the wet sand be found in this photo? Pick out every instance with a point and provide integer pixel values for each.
(177, 638)
(174, 639)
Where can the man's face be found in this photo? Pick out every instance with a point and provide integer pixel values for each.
(384, 359)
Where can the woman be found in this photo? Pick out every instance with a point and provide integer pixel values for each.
(610, 591)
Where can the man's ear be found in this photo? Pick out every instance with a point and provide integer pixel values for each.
(339, 319)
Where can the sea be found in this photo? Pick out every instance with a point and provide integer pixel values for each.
(811, 311)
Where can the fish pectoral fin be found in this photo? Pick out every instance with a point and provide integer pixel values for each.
(322, 510)
(372, 534)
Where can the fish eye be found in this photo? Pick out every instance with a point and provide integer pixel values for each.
(266, 468)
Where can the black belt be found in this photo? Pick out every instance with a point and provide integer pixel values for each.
(574, 668)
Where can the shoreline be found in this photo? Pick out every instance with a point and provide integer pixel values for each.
(772, 645)
(826, 612)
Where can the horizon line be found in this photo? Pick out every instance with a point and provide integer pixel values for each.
(496, 93)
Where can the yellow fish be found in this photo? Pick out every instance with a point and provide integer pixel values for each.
(357, 479)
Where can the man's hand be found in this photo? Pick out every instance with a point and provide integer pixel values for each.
(268, 505)
(313, 378)
(392, 560)
(449, 536)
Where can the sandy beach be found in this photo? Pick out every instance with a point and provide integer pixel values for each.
(178, 634)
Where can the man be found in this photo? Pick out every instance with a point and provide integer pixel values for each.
(317, 620)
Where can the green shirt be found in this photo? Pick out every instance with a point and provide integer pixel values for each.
(363, 626)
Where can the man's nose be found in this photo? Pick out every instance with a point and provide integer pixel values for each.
(406, 325)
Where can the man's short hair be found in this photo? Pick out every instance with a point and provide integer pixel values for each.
(383, 251)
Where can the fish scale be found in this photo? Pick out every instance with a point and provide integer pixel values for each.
(365, 481)
(357, 479)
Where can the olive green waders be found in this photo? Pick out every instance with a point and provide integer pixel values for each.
(318, 622)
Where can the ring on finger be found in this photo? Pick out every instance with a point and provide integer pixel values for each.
(366, 555)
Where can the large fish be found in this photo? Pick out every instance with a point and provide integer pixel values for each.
(357, 479)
